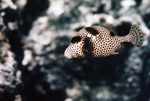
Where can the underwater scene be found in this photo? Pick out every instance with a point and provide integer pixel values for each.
(74, 50)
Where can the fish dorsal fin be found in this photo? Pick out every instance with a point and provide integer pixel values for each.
(111, 28)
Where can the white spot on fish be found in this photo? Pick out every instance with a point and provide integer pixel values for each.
(86, 33)
(93, 38)
(89, 35)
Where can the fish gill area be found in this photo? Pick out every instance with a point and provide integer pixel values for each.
(35, 33)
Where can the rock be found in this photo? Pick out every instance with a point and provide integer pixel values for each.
(8, 69)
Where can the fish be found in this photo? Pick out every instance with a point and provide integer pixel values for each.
(101, 41)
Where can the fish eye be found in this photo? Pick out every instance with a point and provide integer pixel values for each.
(112, 34)
(76, 39)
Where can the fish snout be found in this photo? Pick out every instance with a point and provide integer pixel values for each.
(67, 55)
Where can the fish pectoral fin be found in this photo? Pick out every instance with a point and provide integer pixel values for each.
(120, 48)
(115, 53)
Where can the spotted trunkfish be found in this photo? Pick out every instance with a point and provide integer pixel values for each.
(98, 41)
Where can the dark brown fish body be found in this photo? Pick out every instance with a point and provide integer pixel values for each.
(97, 41)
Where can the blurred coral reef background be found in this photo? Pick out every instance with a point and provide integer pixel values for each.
(35, 33)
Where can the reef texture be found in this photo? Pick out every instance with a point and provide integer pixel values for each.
(35, 33)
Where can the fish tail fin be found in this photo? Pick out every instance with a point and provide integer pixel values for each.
(136, 35)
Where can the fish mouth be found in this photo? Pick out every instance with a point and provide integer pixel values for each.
(68, 56)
